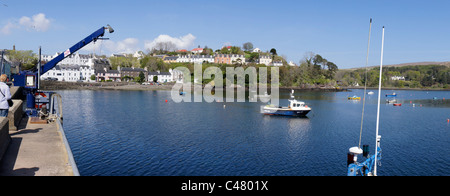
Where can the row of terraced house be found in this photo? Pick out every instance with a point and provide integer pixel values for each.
(82, 68)
(220, 59)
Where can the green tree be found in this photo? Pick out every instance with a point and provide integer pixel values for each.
(141, 77)
(153, 63)
(123, 61)
(26, 58)
(253, 57)
(236, 50)
(332, 69)
(248, 46)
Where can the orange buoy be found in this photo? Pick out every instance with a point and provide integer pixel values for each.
(448, 120)
(166, 100)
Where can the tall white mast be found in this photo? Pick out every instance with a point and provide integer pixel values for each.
(378, 110)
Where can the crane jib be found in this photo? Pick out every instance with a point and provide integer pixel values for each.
(93, 37)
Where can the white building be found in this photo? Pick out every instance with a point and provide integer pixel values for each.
(68, 73)
(77, 73)
(197, 50)
(195, 58)
(73, 59)
(236, 58)
(264, 59)
(163, 77)
(395, 78)
(277, 63)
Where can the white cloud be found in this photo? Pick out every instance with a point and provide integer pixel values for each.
(184, 42)
(7, 28)
(128, 45)
(37, 22)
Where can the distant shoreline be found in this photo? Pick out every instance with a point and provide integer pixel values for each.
(56, 85)
(394, 88)
(52, 86)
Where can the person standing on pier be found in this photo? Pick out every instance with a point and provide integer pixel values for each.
(6, 95)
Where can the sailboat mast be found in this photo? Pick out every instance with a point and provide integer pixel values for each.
(378, 109)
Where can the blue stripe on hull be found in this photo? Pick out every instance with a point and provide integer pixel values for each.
(289, 113)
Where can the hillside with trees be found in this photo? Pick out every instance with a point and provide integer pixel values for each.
(413, 76)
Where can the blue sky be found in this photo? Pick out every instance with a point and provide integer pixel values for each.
(338, 30)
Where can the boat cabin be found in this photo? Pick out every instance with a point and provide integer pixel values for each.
(296, 104)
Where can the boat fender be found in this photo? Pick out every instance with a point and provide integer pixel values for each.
(350, 159)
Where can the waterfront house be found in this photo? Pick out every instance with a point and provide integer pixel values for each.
(132, 72)
(163, 77)
(108, 75)
(67, 73)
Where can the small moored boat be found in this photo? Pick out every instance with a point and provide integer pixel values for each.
(295, 108)
(391, 95)
(391, 100)
(354, 98)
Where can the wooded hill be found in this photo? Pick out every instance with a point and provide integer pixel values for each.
(408, 75)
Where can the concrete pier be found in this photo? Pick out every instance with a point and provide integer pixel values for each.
(28, 149)
(36, 150)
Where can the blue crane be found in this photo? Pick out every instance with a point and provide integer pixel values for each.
(29, 79)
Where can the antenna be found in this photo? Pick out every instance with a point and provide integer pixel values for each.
(365, 84)
(378, 137)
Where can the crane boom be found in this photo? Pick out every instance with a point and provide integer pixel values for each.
(28, 79)
(93, 37)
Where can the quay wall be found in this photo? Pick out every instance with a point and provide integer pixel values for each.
(5, 138)
(12, 121)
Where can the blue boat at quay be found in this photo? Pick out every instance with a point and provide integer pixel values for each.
(295, 108)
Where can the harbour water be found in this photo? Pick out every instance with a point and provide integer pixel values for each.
(135, 133)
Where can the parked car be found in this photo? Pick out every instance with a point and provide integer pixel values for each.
(51, 79)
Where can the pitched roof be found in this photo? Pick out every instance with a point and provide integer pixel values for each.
(132, 69)
(197, 49)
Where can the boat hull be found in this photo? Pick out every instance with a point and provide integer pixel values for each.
(284, 112)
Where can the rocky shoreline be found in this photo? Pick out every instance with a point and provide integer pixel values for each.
(56, 85)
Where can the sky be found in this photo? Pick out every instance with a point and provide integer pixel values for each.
(415, 31)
